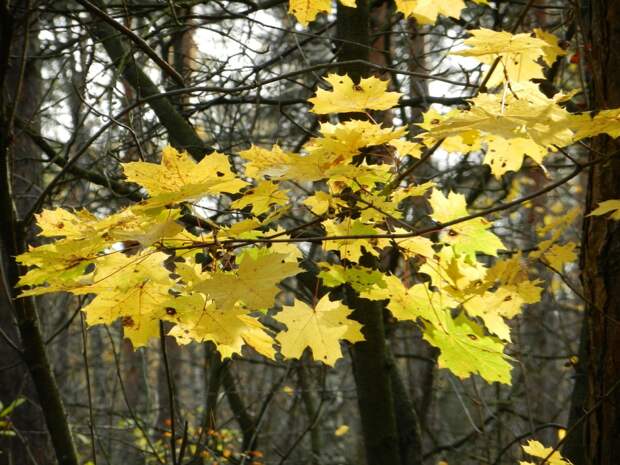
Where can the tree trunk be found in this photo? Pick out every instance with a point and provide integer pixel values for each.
(601, 245)
(26, 370)
(371, 367)
(575, 447)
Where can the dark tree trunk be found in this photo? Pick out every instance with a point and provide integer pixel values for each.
(575, 447)
(371, 366)
(601, 245)
(20, 86)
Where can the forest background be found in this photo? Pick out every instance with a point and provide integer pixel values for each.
(90, 85)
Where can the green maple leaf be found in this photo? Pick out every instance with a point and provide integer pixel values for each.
(360, 278)
(466, 350)
(468, 237)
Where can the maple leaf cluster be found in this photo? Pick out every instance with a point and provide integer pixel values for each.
(222, 282)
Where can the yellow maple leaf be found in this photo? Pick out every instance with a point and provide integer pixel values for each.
(341, 430)
(415, 302)
(321, 329)
(60, 266)
(199, 319)
(523, 122)
(138, 308)
(278, 164)
(463, 141)
(352, 248)
(321, 202)
(244, 229)
(426, 11)
(306, 10)
(179, 178)
(263, 162)
(261, 197)
(412, 191)
(453, 274)
(492, 308)
(348, 97)
(536, 449)
(360, 278)
(406, 148)
(552, 49)
(388, 286)
(339, 143)
(608, 206)
(135, 223)
(469, 236)
(357, 177)
(518, 53)
(555, 255)
(132, 288)
(604, 122)
(60, 222)
(254, 283)
(146, 227)
(558, 255)
(512, 290)
(410, 304)
(376, 208)
(414, 246)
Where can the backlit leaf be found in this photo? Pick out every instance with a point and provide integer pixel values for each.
(347, 97)
(321, 329)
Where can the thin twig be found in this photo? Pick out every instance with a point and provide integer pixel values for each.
(91, 417)
(164, 351)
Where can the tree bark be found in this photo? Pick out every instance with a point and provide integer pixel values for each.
(371, 367)
(575, 447)
(601, 245)
(407, 420)
(26, 370)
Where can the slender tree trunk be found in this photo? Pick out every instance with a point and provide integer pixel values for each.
(246, 422)
(407, 423)
(601, 245)
(26, 370)
(575, 447)
(14, 378)
(310, 405)
(371, 367)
